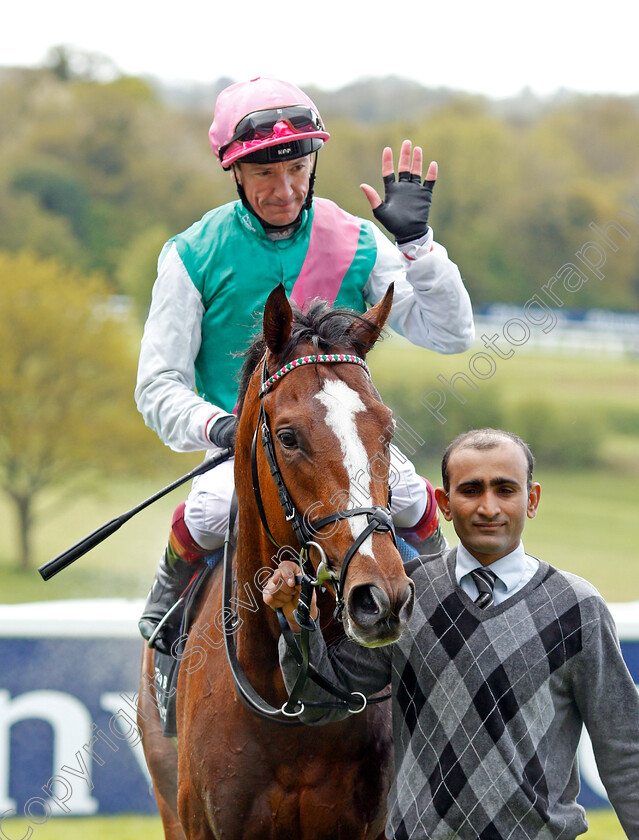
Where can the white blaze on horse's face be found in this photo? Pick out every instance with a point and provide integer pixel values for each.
(342, 403)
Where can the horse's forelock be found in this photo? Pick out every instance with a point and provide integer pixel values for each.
(325, 329)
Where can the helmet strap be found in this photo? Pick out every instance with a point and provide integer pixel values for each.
(311, 186)
(240, 191)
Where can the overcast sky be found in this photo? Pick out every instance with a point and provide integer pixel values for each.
(493, 47)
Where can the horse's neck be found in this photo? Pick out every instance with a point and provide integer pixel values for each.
(256, 556)
(255, 562)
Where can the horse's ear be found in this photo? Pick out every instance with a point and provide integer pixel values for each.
(367, 328)
(278, 318)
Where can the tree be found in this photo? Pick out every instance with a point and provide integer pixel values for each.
(137, 269)
(94, 164)
(67, 416)
(68, 63)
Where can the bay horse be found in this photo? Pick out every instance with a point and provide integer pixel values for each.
(233, 774)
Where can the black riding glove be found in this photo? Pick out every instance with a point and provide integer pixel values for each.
(222, 432)
(404, 211)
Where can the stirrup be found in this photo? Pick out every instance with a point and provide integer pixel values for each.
(152, 638)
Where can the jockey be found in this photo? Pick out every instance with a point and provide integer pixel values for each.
(214, 278)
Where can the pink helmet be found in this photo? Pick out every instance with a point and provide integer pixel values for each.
(265, 120)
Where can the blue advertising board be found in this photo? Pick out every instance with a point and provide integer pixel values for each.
(69, 743)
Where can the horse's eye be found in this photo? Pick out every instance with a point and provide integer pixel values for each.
(287, 438)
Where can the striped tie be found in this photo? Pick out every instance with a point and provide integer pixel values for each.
(485, 581)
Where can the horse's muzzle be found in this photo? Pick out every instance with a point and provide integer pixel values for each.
(374, 619)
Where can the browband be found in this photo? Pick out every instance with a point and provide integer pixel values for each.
(310, 360)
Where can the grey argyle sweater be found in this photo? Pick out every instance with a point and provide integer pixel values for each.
(488, 707)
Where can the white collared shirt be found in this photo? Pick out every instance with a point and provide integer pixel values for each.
(513, 572)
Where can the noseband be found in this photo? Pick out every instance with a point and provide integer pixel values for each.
(379, 518)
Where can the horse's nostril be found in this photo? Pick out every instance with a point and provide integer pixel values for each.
(368, 605)
(406, 602)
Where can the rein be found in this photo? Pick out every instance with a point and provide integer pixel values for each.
(379, 520)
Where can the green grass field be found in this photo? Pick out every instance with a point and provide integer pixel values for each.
(581, 382)
(122, 566)
(603, 826)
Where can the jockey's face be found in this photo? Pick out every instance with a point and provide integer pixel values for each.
(276, 191)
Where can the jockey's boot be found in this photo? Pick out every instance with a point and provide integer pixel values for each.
(432, 544)
(171, 579)
(426, 536)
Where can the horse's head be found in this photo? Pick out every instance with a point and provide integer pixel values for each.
(324, 429)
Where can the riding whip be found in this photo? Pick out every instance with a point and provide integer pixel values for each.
(52, 567)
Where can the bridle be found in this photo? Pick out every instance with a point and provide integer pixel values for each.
(379, 520)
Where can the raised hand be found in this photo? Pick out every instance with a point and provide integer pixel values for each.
(406, 206)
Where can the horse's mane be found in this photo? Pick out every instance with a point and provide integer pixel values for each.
(325, 329)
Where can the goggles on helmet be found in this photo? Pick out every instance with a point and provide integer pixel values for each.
(260, 124)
